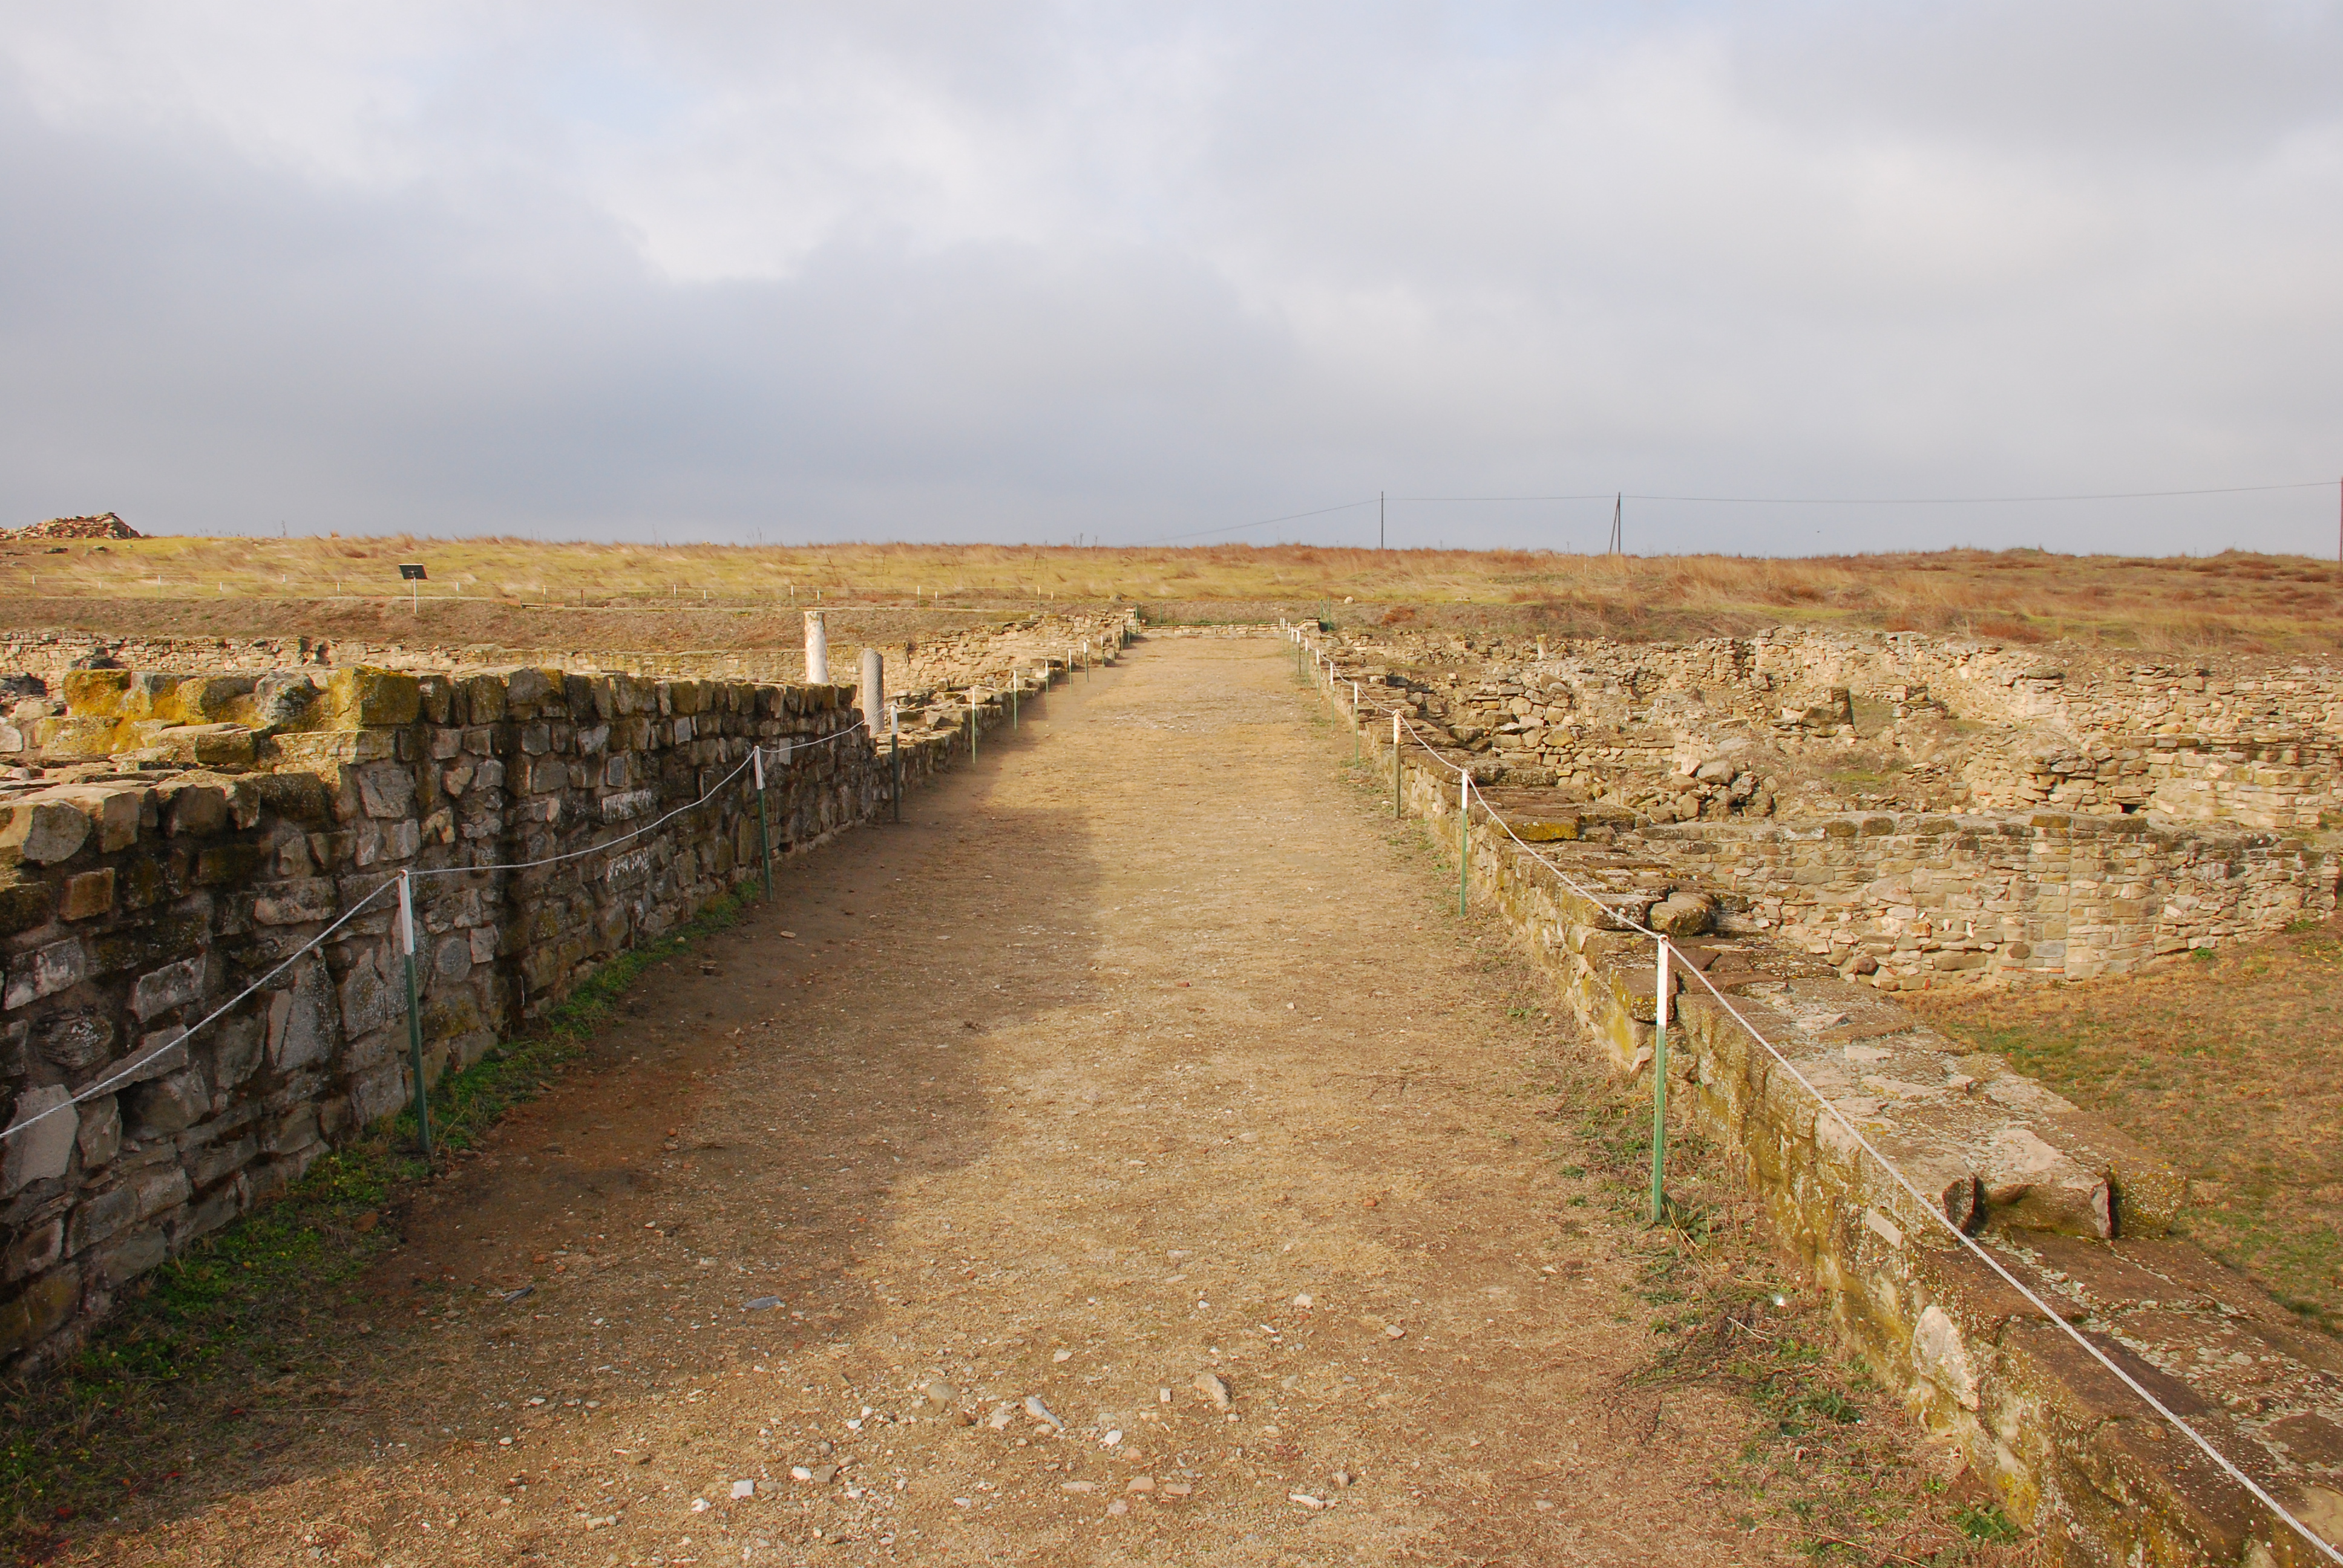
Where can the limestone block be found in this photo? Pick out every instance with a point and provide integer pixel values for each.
(236, 1052)
(378, 1093)
(39, 1248)
(98, 1132)
(23, 905)
(98, 1217)
(362, 697)
(368, 998)
(114, 810)
(193, 809)
(41, 831)
(295, 901)
(173, 985)
(386, 790)
(97, 692)
(44, 972)
(88, 895)
(44, 1150)
(169, 1104)
(43, 1307)
(126, 1260)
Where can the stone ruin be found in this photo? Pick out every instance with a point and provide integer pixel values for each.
(173, 840)
(2047, 822)
(1917, 812)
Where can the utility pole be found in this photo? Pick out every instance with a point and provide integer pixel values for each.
(1379, 520)
(1618, 538)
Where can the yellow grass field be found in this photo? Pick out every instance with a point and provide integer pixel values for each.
(2235, 601)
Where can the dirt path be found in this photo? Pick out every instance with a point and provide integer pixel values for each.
(1145, 1054)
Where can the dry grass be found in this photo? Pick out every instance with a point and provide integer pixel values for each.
(2225, 1064)
(2234, 601)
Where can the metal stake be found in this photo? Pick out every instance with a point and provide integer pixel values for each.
(895, 756)
(1395, 805)
(1463, 840)
(1660, 1085)
(413, 1013)
(764, 832)
(1358, 730)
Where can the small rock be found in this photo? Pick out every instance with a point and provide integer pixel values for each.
(1394, 1331)
(1139, 1484)
(1111, 1438)
(760, 1303)
(1062, 1356)
(1039, 1411)
(799, 1473)
(700, 1506)
(1080, 1485)
(1002, 1414)
(741, 1489)
(1118, 1507)
(941, 1393)
(823, 1475)
(1303, 1498)
(1210, 1385)
(1341, 1479)
(1303, 1301)
(1177, 1488)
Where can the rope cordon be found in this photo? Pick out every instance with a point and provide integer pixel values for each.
(1931, 1209)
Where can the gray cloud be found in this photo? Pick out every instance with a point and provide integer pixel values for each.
(1019, 271)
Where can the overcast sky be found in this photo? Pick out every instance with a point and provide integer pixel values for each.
(1021, 271)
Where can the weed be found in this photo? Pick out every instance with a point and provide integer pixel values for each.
(1986, 1521)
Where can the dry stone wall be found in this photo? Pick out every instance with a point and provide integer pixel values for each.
(1921, 812)
(551, 820)
(2064, 1201)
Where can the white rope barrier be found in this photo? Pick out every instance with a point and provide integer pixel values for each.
(129, 1072)
(752, 759)
(1933, 1208)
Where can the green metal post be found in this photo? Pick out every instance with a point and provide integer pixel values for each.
(1660, 1086)
(1464, 841)
(764, 828)
(414, 1014)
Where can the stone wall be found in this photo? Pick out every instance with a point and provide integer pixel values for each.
(1907, 901)
(2065, 1202)
(138, 896)
(2029, 822)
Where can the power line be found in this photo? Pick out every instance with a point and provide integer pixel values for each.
(1895, 500)
(1238, 527)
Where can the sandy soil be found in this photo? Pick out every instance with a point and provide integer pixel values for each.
(1146, 1053)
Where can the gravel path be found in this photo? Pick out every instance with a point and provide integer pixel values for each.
(1131, 1157)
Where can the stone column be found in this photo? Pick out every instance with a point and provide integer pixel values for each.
(872, 698)
(817, 650)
